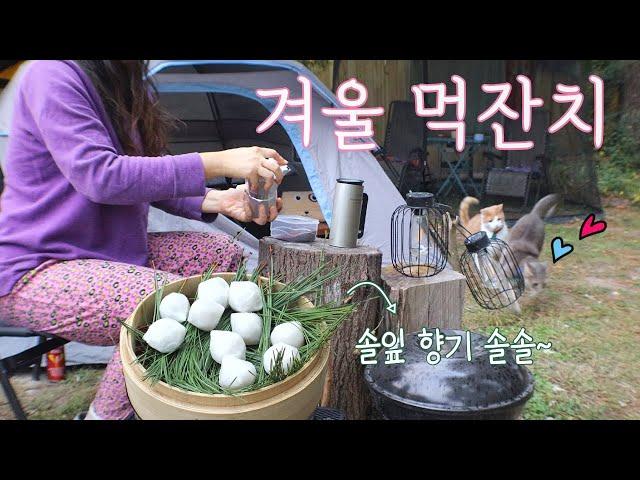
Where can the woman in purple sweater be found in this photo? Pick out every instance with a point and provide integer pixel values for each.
(85, 159)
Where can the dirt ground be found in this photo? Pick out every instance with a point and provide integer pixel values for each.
(43, 400)
(590, 312)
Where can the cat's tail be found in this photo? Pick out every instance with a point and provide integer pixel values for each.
(464, 209)
(546, 205)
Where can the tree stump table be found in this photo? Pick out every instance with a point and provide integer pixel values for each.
(424, 302)
(345, 387)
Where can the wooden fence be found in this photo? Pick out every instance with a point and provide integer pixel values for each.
(389, 80)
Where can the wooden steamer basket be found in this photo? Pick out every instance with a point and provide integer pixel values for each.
(294, 398)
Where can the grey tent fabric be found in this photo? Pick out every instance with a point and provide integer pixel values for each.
(75, 353)
(218, 121)
(231, 87)
(572, 168)
(523, 159)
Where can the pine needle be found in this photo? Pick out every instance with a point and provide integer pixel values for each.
(191, 367)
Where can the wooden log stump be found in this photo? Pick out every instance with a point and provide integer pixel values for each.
(345, 388)
(424, 302)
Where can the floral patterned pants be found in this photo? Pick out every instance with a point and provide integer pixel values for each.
(84, 300)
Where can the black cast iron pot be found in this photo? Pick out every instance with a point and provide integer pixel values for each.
(455, 388)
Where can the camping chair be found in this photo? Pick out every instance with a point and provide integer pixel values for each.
(404, 144)
(30, 356)
(520, 168)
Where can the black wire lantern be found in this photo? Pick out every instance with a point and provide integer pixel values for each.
(420, 236)
(492, 272)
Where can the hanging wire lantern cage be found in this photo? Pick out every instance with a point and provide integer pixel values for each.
(420, 236)
(492, 272)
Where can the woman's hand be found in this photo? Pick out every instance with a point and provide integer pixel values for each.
(233, 203)
(247, 162)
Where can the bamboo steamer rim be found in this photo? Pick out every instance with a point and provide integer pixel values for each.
(181, 396)
(150, 404)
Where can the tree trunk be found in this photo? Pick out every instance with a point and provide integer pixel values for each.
(630, 118)
(345, 388)
(424, 302)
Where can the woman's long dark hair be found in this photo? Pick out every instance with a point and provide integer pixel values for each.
(131, 101)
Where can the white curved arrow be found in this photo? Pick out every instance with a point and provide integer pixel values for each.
(391, 307)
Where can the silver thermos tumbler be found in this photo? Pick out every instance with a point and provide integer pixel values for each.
(349, 211)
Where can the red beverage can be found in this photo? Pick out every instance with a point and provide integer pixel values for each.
(55, 364)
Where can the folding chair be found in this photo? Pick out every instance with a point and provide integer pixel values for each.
(404, 144)
(30, 356)
(521, 168)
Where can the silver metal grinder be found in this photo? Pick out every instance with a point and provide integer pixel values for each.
(349, 212)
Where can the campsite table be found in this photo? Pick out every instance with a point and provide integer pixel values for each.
(465, 161)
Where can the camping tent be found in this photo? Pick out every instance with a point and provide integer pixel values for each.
(219, 108)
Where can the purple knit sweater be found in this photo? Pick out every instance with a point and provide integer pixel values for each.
(70, 192)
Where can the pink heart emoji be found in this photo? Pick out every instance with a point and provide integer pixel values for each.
(591, 227)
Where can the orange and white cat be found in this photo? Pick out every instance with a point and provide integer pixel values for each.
(490, 219)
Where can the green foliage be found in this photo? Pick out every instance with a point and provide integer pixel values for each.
(619, 180)
(611, 71)
(315, 65)
(590, 311)
(619, 158)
